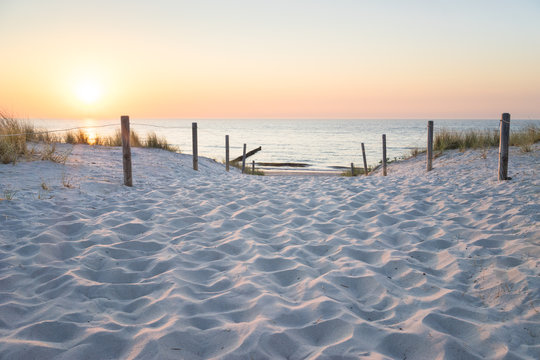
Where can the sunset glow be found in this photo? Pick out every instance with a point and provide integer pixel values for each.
(274, 59)
(88, 92)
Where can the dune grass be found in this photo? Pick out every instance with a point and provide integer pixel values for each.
(151, 141)
(82, 137)
(112, 140)
(15, 137)
(477, 139)
(525, 139)
(16, 134)
(12, 142)
(76, 137)
(154, 141)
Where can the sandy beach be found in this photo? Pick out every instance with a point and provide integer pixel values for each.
(210, 264)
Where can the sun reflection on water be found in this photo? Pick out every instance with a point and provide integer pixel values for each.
(90, 132)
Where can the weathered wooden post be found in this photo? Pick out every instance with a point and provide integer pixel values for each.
(352, 169)
(244, 159)
(384, 154)
(227, 152)
(430, 145)
(504, 140)
(253, 168)
(364, 157)
(126, 150)
(195, 146)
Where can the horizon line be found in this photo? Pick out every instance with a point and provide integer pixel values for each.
(279, 118)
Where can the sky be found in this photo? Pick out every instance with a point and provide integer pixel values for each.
(199, 59)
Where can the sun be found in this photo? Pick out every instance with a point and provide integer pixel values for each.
(88, 91)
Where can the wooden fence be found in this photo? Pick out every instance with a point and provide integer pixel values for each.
(504, 137)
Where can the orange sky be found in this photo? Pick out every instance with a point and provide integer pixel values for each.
(270, 59)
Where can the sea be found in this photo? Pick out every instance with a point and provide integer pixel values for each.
(322, 145)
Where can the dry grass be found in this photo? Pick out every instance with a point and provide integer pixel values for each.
(12, 138)
(415, 152)
(153, 141)
(135, 140)
(113, 140)
(50, 153)
(15, 135)
(76, 137)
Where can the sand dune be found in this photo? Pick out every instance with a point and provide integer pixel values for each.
(209, 264)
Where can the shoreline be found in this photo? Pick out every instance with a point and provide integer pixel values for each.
(303, 172)
(333, 144)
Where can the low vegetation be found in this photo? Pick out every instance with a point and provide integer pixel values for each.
(248, 170)
(154, 141)
(16, 135)
(478, 139)
(257, 172)
(357, 171)
(415, 152)
(76, 137)
(13, 138)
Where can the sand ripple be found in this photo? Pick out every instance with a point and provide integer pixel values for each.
(213, 265)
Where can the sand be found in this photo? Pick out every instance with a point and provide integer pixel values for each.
(209, 264)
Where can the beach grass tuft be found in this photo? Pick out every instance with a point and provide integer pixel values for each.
(76, 137)
(15, 134)
(112, 140)
(415, 152)
(154, 141)
(50, 153)
(66, 181)
(135, 139)
(13, 138)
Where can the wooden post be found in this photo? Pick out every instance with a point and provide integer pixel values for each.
(244, 159)
(430, 145)
(253, 168)
(352, 169)
(195, 146)
(384, 154)
(126, 150)
(364, 157)
(504, 140)
(227, 152)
